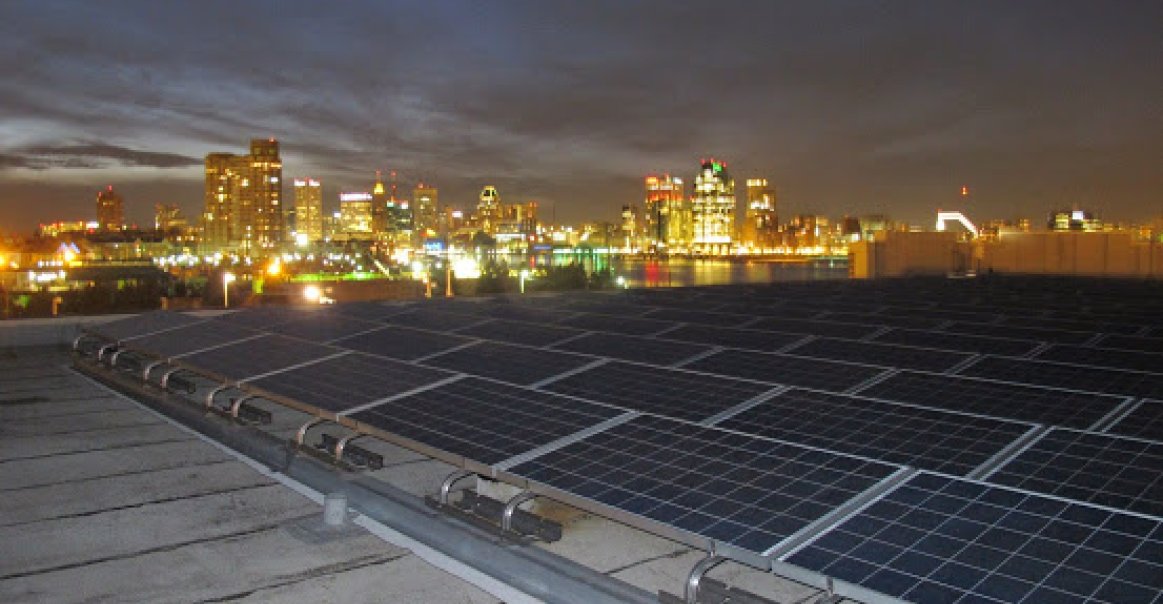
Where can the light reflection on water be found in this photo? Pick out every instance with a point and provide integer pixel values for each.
(681, 272)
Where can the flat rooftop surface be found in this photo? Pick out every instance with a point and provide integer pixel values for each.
(102, 500)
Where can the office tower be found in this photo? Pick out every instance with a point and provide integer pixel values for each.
(760, 220)
(629, 228)
(666, 214)
(243, 200)
(110, 210)
(489, 209)
(425, 211)
(309, 208)
(379, 207)
(713, 209)
(355, 215)
(168, 217)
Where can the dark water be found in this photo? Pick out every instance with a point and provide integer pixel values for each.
(680, 272)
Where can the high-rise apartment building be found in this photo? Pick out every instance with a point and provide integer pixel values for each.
(425, 210)
(110, 210)
(713, 209)
(243, 200)
(489, 209)
(356, 215)
(760, 220)
(309, 208)
(666, 214)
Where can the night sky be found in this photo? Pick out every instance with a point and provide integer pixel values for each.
(848, 107)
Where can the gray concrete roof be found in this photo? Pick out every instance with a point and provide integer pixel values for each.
(102, 500)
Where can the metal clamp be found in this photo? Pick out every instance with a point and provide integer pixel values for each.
(102, 350)
(511, 508)
(237, 404)
(829, 596)
(213, 393)
(165, 381)
(77, 342)
(446, 486)
(691, 591)
(342, 444)
(150, 367)
(301, 435)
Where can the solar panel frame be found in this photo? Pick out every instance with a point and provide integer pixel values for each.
(1023, 333)
(483, 423)
(323, 327)
(140, 325)
(1102, 469)
(898, 356)
(898, 433)
(1144, 420)
(701, 485)
(329, 387)
(509, 362)
(1022, 402)
(403, 343)
(1139, 343)
(519, 332)
(649, 389)
(1083, 378)
(634, 326)
(1150, 362)
(248, 359)
(632, 348)
(193, 337)
(750, 339)
(698, 317)
(937, 538)
(432, 319)
(959, 342)
(787, 369)
(814, 327)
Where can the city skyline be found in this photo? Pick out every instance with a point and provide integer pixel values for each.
(847, 108)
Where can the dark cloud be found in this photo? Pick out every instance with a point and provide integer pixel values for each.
(846, 105)
(93, 155)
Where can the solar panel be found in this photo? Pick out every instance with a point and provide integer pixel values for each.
(962, 342)
(427, 318)
(749, 339)
(341, 383)
(483, 421)
(1060, 375)
(263, 317)
(904, 357)
(908, 322)
(632, 348)
(1104, 357)
(507, 362)
(1138, 343)
(1092, 326)
(518, 332)
(925, 438)
(255, 357)
(617, 324)
(371, 311)
(402, 342)
(1023, 333)
(321, 327)
(1108, 470)
(748, 492)
(944, 314)
(195, 336)
(142, 324)
(522, 312)
(669, 392)
(835, 376)
(816, 328)
(1144, 421)
(942, 539)
(984, 397)
(698, 317)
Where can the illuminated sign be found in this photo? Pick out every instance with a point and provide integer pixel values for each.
(355, 197)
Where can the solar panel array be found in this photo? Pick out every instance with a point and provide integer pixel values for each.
(929, 440)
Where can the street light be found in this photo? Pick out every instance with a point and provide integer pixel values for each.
(226, 279)
(524, 276)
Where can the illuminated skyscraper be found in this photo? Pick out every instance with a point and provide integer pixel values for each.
(713, 209)
(110, 210)
(630, 228)
(760, 221)
(379, 207)
(666, 214)
(309, 208)
(425, 202)
(489, 209)
(243, 200)
(355, 215)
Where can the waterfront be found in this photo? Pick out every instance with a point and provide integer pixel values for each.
(687, 272)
